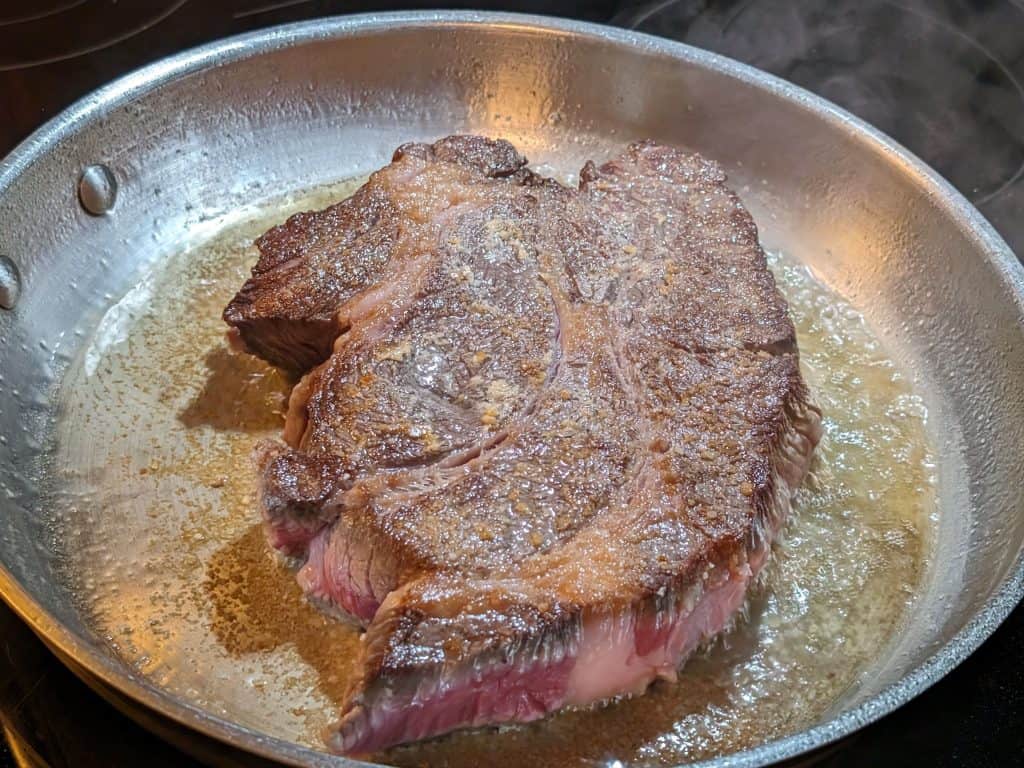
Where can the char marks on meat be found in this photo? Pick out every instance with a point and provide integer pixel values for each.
(544, 437)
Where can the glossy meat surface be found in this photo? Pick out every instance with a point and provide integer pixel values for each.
(553, 439)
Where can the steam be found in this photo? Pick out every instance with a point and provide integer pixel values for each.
(943, 77)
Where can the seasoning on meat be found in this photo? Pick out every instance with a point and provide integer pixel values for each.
(545, 436)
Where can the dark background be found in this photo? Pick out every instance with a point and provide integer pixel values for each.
(944, 77)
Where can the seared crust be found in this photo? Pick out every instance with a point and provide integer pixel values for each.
(700, 279)
(554, 408)
(287, 312)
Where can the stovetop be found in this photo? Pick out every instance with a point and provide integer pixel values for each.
(944, 77)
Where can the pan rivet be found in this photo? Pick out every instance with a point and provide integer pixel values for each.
(97, 189)
(10, 283)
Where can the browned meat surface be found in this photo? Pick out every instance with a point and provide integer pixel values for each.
(554, 439)
(310, 266)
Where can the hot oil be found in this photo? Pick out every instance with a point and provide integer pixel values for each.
(159, 418)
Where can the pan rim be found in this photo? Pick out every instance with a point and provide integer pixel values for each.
(126, 89)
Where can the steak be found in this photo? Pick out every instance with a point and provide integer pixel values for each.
(545, 436)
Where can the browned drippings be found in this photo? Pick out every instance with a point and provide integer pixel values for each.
(159, 417)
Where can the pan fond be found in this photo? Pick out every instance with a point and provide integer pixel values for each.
(164, 548)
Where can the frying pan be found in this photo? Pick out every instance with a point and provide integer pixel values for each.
(101, 193)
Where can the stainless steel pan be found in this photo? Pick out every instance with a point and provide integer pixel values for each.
(197, 134)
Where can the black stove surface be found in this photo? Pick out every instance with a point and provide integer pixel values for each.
(944, 77)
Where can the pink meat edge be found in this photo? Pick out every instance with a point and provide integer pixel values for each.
(288, 536)
(344, 575)
(624, 654)
(618, 654)
(605, 666)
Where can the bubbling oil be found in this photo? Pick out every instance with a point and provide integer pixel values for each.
(158, 418)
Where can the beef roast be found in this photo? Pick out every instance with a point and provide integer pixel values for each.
(545, 437)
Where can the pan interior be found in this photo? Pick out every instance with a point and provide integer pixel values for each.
(167, 556)
(126, 423)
